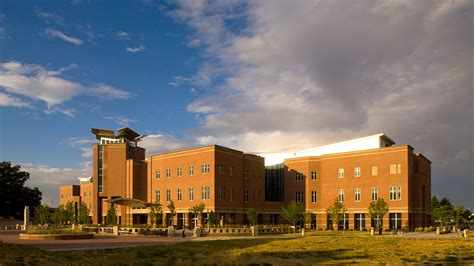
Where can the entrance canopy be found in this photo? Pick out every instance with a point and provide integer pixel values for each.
(133, 203)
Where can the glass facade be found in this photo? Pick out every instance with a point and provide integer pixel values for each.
(274, 182)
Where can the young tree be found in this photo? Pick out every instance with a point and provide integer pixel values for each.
(70, 214)
(83, 213)
(443, 214)
(197, 210)
(377, 210)
(307, 219)
(172, 212)
(337, 211)
(111, 218)
(155, 213)
(293, 213)
(42, 214)
(59, 215)
(212, 218)
(252, 216)
(14, 195)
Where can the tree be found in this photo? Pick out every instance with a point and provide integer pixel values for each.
(156, 213)
(14, 196)
(337, 211)
(42, 214)
(59, 215)
(83, 213)
(172, 211)
(307, 219)
(197, 210)
(467, 215)
(293, 213)
(434, 203)
(212, 218)
(252, 216)
(70, 213)
(446, 202)
(377, 210)
(443, 214)
(111, 217)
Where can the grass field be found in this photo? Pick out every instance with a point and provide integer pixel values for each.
(308, 250)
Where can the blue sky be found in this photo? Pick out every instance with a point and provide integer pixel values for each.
(259, 76)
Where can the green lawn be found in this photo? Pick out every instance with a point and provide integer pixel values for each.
(308, 250)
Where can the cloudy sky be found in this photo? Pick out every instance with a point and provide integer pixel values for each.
(259, 76)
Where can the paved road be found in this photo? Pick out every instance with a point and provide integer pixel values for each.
(98, 242)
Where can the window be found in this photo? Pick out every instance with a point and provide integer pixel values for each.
(168, 173)
(222, 193)
(357, 194)
(191, 193)
(340, 197)
(395, 220)
(299, 176)
(90, 193)
(246, 173)
(314, 196)
(341, 173)
(375, 194)
(395, 169)
(221, 169)
(230, 170)
(357, 172)
(180, 196)
(206, 168)
(168, 195)
(157, 195)
(231, 193)
(180, 172)
(90, 206)
(375, 170)
(157, 174)
(395, 193)
(359, 221)
(314, 175)
(246, 195)
(299, 196)
(205, 192)
(191, 170)
(62, 196)
(85, 194)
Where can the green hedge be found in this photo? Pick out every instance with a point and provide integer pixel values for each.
(55, 232)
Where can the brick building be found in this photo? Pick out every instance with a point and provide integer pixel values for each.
(229, 182)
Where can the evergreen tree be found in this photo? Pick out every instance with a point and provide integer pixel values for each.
(83, 213)
(252, 216)
(111, 218)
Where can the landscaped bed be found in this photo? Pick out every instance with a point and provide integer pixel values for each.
(55, 234)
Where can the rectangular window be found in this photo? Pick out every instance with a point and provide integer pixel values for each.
(205, 192)
(357, 194)
(246, 195)
(168, 195)
(357, 172)
(299, 196)
(179, 194)
(90, 193)
(246, 173)
(191, 193)
(395, 220)
(221, 169)
(395, 169)
(180, 172)
(299, 176)
(191, 170)
(395, 193)
(340, 173)
(157, 195)
(230, 170)
(90, 206)
(168, 173)
(375, 194)
(157, 174)
(340, 197)
(205, 168)
(314, 196)
(231, 193)
(85, 194)
(314, 175)
(375, 170)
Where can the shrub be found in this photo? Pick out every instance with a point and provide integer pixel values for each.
(55, 232)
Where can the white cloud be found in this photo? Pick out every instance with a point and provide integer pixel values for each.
(59, 34)
(8, 100)
(38, 83)
(159, 143)
(49, 178)
(135, 49)
(49, 17)
(123, 35)
(120, 119)
(309, 74)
